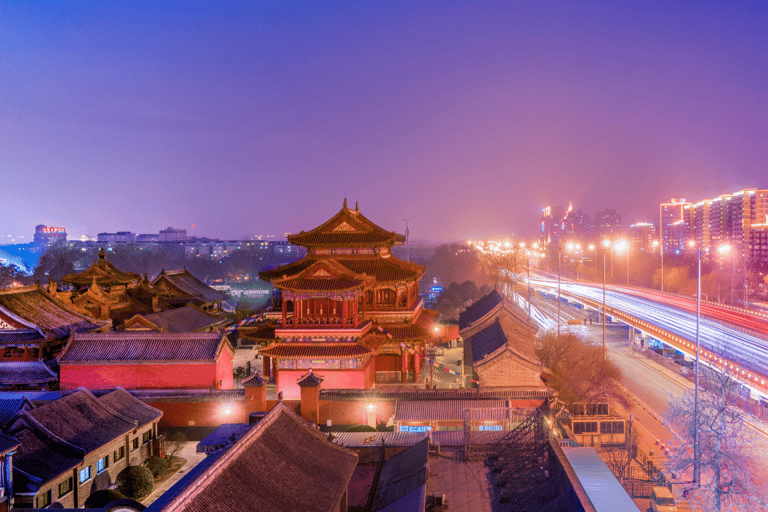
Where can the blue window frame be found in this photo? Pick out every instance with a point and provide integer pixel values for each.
(84, 474)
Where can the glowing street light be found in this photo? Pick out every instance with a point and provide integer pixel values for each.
(696, 445)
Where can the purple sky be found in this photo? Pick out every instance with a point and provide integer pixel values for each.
(466, 118)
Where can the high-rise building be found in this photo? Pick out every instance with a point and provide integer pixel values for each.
(642, 235)
(121, 237)
(607, 223)
(671, 213)
(552, 224)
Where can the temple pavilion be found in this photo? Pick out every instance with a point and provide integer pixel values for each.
(334, 302)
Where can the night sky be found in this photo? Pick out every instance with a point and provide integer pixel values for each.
(466, 118)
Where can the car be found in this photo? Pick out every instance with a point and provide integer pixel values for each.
(662, 500)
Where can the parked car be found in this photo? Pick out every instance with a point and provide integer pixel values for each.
(662, 500)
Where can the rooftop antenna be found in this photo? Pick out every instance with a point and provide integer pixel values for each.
(407, 245)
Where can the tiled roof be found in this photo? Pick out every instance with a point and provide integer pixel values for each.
(36, 306)
(403, 332)
(280, 464)
(131, 407)
(103, 272)
(487, 341)
(130, 347)
(80, 419)
(384, 269)
(315, 350)
(401, 475)
(13, 336)
(479, 309)
(10, 406)
(17, 373)
(7, 443)
(309, 380)
(186, 319)
(41, 458)
(188, 284)
(356, 440)
(304, 284)
(346, 229)
(418, 410)
(254, 380)
(224, 436)
(287, 270)
(386, 393)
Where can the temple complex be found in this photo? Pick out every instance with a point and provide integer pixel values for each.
(337, 300)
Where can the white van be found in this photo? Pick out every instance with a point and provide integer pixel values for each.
(662, 500)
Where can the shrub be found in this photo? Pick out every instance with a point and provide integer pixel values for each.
(102, 498)
(361, 428)
(135, 482)
(157, 465)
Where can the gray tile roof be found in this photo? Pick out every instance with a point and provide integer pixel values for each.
(444, 410)
(487, 341)
(131, 407)
(479, 309)
(186, 319)
(401, 475)
(18, 373)
(135, 347)
(189, 285)
(14, 336)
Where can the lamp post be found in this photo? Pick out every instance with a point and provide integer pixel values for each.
(661, 244)
(606, 244)
(558, 291)
(696, 446)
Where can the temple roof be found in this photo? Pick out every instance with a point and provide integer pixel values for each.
(185, 319)
(103, 273)
(124, 403)
(25, 373)
(143, 347)
(35, 307)
(348, 228)
(443, 410)
(280, 464)
(403, 479)
(185, 284)
(316, 350)
(328, 273)
(254, 380)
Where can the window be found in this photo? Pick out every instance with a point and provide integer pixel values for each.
(85, 474)
(146, 437)
(597, 409)
(135, 444)
(119, 454)
(102, 464)
(43, 500)
(611, 427)
(490, 427)
(585, 427)
(65, 487)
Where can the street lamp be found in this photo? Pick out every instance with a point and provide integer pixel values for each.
(725, 249)
(621, 245)
(696, 446)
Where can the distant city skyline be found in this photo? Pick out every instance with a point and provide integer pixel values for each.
(467, 118)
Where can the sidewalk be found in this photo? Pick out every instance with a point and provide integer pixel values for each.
(193, 459)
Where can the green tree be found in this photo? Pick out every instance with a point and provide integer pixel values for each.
(102, 498)
(135, 482)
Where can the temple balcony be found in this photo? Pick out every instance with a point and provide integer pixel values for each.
(328, 330)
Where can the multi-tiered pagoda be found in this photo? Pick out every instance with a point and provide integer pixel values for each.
(334, 302)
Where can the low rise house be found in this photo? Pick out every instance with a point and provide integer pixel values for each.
(76, 445)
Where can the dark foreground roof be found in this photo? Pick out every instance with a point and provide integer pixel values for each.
(186, 319)
(479, 309)
(189, 285)
(281, 464)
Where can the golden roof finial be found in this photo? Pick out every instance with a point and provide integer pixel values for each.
(345, 203)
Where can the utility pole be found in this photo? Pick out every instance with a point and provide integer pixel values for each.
(604, 317)
(696, 444)
(661, 244)
(407, 244)
(558, 291)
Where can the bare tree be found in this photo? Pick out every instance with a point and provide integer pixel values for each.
(728, 480)
(174, 443)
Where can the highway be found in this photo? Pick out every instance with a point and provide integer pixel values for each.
(744, 350)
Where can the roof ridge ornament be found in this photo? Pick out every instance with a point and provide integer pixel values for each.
(345, 204)
(102, 254)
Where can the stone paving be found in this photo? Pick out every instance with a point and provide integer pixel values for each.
(193, 458)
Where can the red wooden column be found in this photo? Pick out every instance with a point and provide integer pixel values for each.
(285, 309)
(416, 364)
(403, 365)
(373, 302)
(344, 311)
(267, 371)
(354, 313)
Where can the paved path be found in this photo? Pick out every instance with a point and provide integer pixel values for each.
(193, 459)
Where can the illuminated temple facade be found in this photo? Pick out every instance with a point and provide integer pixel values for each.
(334, 301)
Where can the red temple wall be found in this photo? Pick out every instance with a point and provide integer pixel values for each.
(332, 379)
(224, 368)
(209, 413)
(143, 376)
(387, 363)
